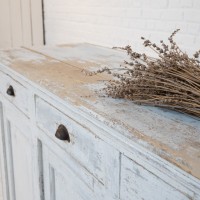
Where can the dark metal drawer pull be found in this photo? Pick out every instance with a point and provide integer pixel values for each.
(62, 133)
(10, 91)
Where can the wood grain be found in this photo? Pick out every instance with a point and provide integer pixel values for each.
(21, 23)
(5, 28)
(118, 150)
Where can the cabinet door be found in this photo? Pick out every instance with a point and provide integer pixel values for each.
(137, 183)
(18, 155)
(60, 182)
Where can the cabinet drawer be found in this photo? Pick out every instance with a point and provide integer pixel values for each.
(137, 183)
(100, 159)
(20, 94)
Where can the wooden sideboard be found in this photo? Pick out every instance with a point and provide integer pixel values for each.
(61, 139)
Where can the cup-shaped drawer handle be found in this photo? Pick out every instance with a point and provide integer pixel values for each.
(62, 133)
(10, 91)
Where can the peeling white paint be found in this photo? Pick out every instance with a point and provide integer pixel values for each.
(118, 150)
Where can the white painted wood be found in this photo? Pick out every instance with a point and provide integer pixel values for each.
(86, 177)
(21, 23)
(37, 22)
(63, 185)
(18, 155)
(137, 183)
(123, 22)
(4, 175)
(165, 133)
(1, 186)
(16, 23)
(26, 22)
(5, 32)
(86, 147)
(104, 159)
(37, 154)
(21, 94)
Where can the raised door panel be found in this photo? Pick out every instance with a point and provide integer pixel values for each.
(137, 183)
(60, 182)
(18, 147)
(22, 164)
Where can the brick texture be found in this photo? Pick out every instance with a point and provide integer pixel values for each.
(121, 22)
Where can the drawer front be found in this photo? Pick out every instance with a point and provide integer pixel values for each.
(137, 183)
(96, 156)
(14, 92)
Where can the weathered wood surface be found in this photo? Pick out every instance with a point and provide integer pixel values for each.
(166, 144)
(173, 136)
(137, 183)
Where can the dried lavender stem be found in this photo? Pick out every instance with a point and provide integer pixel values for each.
(171, 80)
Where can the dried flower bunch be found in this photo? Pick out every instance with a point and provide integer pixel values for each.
(172, 80)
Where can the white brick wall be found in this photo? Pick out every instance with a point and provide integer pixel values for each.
(122, 22)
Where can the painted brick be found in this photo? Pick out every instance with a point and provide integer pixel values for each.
(159, 4)
(172, 15)
(197, 41)
(133, 12)
(185, 39)
(122, 22)
(196, 4)
(135, 23)
(192, 15)
(187, 3)
(193, 28)
(180, 3)
(155, 14)
(174, 3)
(150, 24)
(165, 26)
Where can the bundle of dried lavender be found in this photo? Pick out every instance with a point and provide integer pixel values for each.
(172, 80)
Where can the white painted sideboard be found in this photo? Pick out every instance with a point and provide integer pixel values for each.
(60, 140)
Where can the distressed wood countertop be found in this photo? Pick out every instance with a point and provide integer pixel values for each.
(172, 136)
